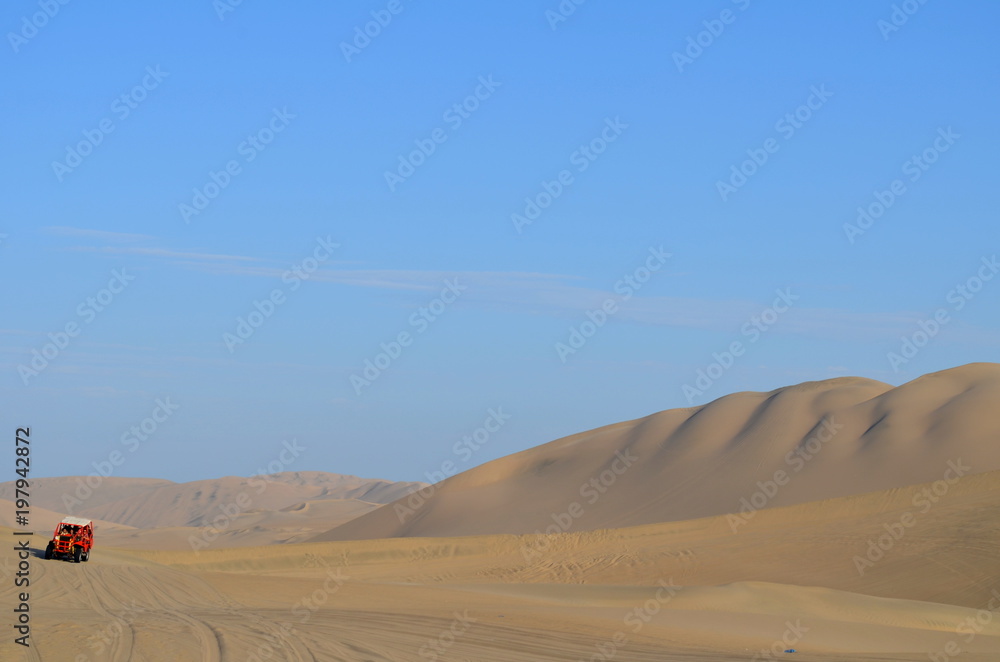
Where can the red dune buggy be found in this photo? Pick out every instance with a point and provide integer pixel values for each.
(73, 539)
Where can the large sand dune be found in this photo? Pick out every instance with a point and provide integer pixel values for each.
(802, 443)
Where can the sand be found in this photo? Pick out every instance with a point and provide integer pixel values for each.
(149, 503)
(900, 572)
(828, 439)
(677, 591)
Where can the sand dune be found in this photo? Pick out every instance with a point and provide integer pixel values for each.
(57, 494)
(819, 440)
(295, 523)
(340, 486)
(43, 520)
(196, 503)
(147, 503)
(683, 591)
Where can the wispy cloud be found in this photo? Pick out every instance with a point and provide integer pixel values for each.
(103, 235)
(163, 253)
(543, 294)
(566, 296)
(407, 279)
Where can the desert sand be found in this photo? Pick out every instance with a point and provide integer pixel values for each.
(883, 546)
(158, 514)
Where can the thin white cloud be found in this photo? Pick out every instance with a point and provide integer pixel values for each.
(163, 253)
(403, 279)
(123, 237)
(561, 296)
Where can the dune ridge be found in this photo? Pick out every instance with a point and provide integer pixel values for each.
(819, 440)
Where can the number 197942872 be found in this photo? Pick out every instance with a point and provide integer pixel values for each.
(22, 465)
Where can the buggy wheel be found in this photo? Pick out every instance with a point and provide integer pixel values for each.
(77, 553)
(48, 551)
(85, 557)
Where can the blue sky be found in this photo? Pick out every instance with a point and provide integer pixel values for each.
(649, 225)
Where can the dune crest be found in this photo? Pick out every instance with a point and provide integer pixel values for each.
(807, 442)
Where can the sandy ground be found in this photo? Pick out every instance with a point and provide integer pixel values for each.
(691, 591)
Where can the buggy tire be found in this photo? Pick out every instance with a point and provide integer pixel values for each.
(48, 551)
(77, 553)
(85, 557)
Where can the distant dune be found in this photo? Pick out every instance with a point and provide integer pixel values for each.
(56, 493)
(148, 503)
(43, 520)
(295, 523)
(808, 442)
